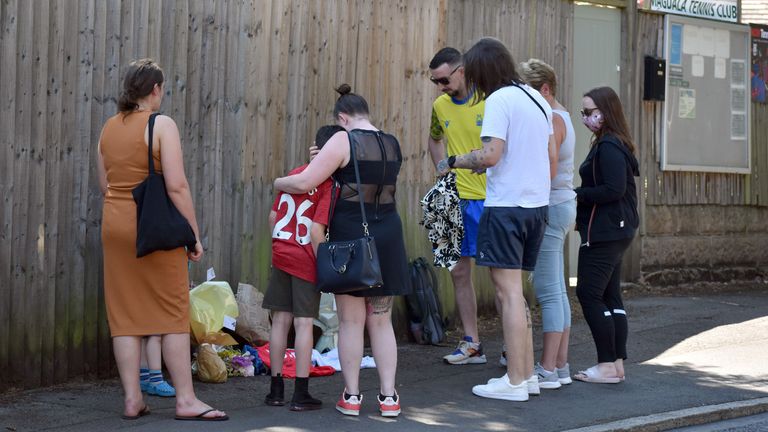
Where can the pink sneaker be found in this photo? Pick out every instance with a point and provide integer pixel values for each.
(350, 406)
(389, 406)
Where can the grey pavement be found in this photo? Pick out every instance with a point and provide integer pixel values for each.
(693, 359)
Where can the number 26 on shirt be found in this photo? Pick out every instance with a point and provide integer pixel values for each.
(301, 220)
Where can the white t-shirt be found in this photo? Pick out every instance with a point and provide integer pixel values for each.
(521, 177)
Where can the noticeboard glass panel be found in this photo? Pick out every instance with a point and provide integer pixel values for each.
(706, 112)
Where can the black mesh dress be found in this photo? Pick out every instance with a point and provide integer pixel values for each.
(379, 159)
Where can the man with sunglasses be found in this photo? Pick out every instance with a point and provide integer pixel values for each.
(455, 129)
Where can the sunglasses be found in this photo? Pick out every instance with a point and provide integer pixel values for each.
(586, 112)
(444, 80)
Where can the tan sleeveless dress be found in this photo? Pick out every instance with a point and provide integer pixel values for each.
(148, 295)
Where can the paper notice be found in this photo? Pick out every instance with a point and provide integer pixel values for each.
(738, 99)
(697, 66)
(690, 39)
(687, 103)
(720, 68)
(722, 43)
(707, 41)
(737, 73)
(738, 126)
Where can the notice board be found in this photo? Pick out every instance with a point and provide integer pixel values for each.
(707, 101)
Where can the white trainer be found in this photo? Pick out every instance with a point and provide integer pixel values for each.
(501, 388)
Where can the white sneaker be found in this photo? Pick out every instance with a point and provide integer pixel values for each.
(501, 388)
(532, 383)
(503, 358)
(564, 374)
(547, 380)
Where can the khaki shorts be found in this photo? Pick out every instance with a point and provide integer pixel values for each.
(288, 293)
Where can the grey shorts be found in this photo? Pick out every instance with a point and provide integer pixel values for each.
(288, 293)
(510, 237)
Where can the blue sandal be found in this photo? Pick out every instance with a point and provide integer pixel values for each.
(162, 389)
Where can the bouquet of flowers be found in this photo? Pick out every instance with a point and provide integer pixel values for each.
(238, 363)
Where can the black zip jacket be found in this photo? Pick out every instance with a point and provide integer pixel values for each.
(607, 199)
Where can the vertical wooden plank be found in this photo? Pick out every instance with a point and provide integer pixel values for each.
(232, 123)
(83, 338)
(71, 193)
(194, 158)
(95, 309)
(30, 210)
(45, 288)
(58, 196)
(9, 145)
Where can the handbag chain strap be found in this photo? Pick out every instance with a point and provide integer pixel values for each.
(150, 131)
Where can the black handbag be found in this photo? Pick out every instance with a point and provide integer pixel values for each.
(351, 265)
(159, 224)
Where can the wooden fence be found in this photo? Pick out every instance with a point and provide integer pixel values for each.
(248, 82)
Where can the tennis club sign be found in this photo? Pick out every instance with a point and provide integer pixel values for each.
(720, 10)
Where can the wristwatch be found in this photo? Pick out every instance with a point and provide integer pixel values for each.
(451, 161)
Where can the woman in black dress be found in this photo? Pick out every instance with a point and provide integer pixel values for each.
(379, 159)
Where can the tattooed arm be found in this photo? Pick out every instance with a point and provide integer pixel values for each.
(476, 160)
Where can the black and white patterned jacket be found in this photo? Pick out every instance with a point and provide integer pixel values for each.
(443, 220)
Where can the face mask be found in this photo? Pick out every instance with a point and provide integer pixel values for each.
(593, 122)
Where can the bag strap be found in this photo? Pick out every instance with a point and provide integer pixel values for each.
(357, 178)
(151, 127)
(334, 192)
(534, 100)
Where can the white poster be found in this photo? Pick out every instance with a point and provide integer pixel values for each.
(707, 44)
(722, 43)
(720, 68)
(690, 39)
(697, 66)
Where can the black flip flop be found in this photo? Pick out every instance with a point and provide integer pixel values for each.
(142, 412)
(201, 417)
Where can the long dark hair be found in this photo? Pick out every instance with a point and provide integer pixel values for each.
(614, 122)
(349, 103)
(489, 66)
(140, 79)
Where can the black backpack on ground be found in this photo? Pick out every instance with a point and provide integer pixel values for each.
(424, 310)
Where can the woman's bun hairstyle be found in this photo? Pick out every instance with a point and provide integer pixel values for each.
(349, 103)
(343, 89)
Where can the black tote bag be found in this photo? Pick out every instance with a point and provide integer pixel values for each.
(159, 224)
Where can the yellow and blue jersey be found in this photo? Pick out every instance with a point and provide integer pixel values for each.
(458, 122)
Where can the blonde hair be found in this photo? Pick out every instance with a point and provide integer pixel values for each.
(537, 73)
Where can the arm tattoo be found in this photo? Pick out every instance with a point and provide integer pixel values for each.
(378, 305)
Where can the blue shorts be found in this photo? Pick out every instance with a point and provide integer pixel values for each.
(510, 237)
(471, 210)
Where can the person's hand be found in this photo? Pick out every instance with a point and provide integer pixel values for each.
(196, 254)
(313, 151)
(443, 168)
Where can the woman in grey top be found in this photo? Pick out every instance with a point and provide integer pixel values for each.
(549, 275)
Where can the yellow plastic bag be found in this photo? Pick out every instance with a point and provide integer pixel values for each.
(210, 367)
(212, 306)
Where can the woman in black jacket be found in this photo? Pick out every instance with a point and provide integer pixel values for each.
(606, 218)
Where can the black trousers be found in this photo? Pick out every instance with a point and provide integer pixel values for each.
(598, 290)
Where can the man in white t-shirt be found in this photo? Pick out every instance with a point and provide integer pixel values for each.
(517, 125)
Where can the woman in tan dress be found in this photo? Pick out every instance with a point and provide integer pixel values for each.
(148, 295)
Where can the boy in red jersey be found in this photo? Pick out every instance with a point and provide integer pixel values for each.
(298, 224)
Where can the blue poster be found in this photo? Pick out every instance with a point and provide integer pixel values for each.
(676, 45)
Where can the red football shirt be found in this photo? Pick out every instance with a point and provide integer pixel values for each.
(291, 245)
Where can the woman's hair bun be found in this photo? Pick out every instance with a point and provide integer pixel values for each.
(344, 89)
